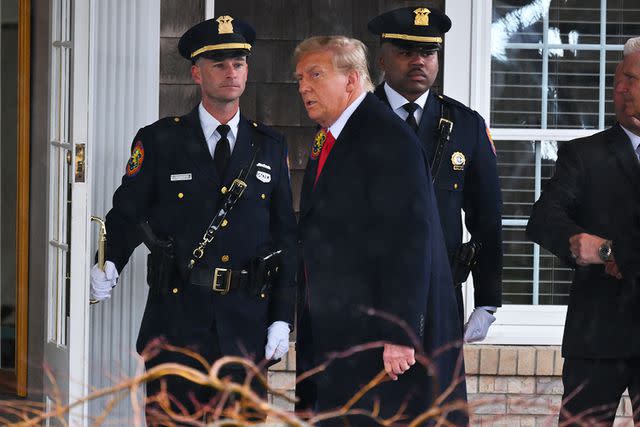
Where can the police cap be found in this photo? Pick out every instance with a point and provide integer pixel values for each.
(217, 38)
(411, 27)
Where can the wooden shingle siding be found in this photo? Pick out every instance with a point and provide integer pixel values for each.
(178, 94)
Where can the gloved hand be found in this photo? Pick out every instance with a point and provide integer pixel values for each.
(478, 324)
(277, 340)
(103, 281)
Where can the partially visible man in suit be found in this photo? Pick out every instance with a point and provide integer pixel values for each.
(462, 157)
(587, 208)
(371, 239)
(206, 293)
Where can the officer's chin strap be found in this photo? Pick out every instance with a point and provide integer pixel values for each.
(233, 195)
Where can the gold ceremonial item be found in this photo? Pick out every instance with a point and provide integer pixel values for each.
(224, 24)
(422, 17)
(458, 161)
(102, 242)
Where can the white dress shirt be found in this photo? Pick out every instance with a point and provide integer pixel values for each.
(397, 102)
(339, 124)
(210, 125)
(635, 140)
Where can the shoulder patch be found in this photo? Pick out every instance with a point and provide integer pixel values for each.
(493, 145)
(135, 161)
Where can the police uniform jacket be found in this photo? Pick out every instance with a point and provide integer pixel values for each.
(172, 183)
(472, 187)
(371, 239)
(595, 190)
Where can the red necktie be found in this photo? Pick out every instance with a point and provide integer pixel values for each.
(326, 149)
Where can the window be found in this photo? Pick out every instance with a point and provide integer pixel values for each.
(544, 76)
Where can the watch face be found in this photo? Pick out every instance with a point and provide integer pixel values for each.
(604, 252)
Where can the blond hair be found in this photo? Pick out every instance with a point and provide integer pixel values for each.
(348, 55)
(632, 46)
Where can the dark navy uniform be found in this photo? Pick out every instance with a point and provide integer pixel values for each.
(173, 183)
(178, 191)
(467, 178)
(468, 183)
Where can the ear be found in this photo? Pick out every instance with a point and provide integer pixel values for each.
(195, 74)
(381, 61)
(353, 80)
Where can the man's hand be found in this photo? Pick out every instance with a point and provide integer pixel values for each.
(584, 248)
(397, 359)
(611, 268)
(277, 340)
(478, 324)
(103, 281)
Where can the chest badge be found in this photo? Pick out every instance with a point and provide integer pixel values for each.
(458, 161)
(321, 137)
(263, 176)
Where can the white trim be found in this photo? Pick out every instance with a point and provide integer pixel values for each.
(480, 71)
(528, 325)
(80, 223)
(457, 62)
(510, 134)
(209, 9)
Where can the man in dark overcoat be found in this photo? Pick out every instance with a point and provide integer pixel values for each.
(179, 177)
(371, 240)
(585, 216)
(463, 162)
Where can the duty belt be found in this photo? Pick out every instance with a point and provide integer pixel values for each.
(220, 280)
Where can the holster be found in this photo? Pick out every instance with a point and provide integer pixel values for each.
(161, 265)
(464, 261)
(264, 270)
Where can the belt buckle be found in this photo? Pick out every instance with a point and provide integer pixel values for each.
(226, 281)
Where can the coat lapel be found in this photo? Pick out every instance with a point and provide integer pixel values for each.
(242, 151)
(620, 146)
(197, 149)
(306, 194)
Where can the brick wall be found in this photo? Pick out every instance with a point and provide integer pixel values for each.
(507, 385)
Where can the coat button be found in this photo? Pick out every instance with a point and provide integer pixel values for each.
(180, 195)
(455, 186)
(224, 190)
(263, 196)
(225, 258)
(176, 119)
(174, 290)
(224, 223)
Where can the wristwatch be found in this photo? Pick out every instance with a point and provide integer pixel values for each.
(604, 251)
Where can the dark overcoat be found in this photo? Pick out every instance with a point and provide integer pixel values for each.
(472, 187)
(172, 183)
(371, 238)
(595, 189)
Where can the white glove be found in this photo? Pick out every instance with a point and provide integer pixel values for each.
(103, 281)
(478, 324)
(277, 340)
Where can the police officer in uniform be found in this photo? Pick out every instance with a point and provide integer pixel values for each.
(460, 149)
(211, 298)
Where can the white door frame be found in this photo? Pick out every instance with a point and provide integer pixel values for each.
(66, 345)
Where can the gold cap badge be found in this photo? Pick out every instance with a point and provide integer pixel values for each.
(422, 17)
(458, 161)
(224, 25)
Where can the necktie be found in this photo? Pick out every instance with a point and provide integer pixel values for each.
(326, 149)
(410, 107)
(223, 151)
